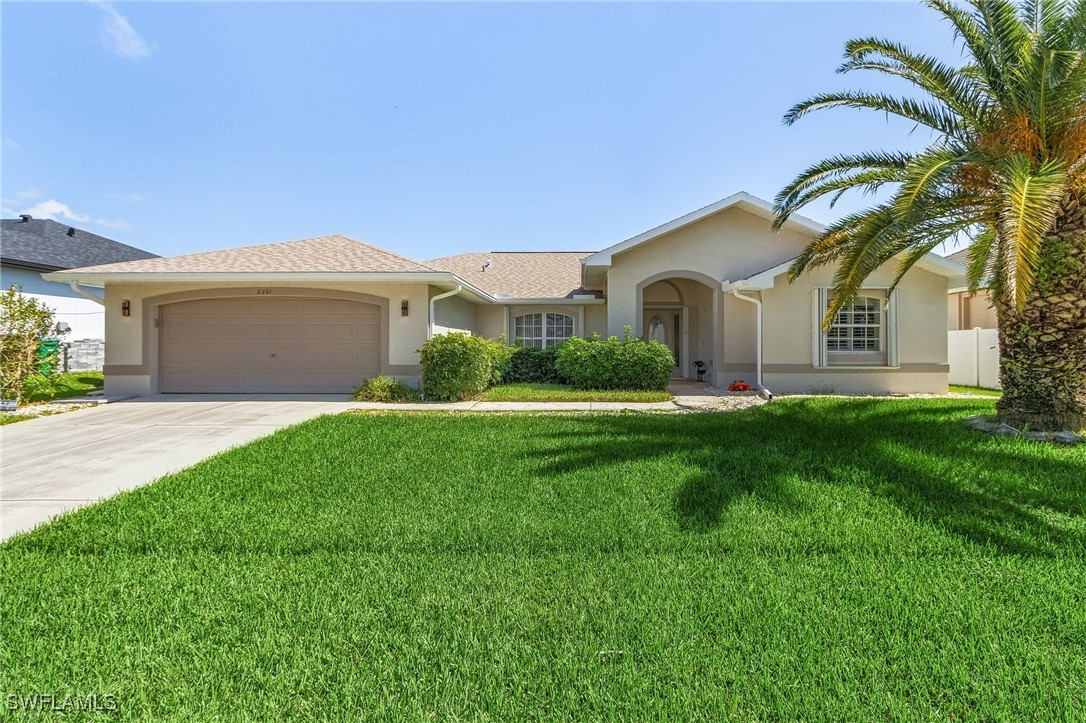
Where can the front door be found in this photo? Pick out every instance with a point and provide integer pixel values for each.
(665, 326)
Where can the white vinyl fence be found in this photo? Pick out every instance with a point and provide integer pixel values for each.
(974, 357)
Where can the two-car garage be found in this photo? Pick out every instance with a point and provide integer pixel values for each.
(268, 344)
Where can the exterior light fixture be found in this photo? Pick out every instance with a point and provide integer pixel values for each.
(403, 308)
(126, 308)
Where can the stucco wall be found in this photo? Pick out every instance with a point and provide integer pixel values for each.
(730, 245)
(453, 314)
(85, 318)
(131, 371)
(968, 311)
(488, 321)
(789, 326)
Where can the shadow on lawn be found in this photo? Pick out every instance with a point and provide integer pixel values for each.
(991, 491)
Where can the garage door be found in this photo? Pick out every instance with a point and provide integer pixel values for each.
(268, 345)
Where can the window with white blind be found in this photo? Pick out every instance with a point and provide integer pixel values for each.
(542, 330)
(863, 331)
(857, 326)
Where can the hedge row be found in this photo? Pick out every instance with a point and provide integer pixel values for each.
(458, 366)
(626, 364)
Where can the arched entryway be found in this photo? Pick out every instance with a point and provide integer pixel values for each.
(680, 312)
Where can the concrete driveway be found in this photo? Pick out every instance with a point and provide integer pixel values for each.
(54, 464)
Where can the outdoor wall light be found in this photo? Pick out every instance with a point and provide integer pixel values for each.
(126, 308)
(403, 308)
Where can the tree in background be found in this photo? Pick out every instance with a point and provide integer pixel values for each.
(24, 322)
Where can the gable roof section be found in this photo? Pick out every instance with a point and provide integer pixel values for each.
(745, 201)
(766, 278)
(41, 243)
(519, 274)
(324, 254)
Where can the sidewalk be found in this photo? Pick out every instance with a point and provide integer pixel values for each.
(689, 397)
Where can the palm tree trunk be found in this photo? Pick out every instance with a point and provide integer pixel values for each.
(1042, 366)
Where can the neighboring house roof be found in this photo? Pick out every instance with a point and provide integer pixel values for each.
(324, 254)
(41, 243)
(519, 274)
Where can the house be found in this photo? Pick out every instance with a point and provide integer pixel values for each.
(321, 314)
(29, 246)
(972, 333)
(965, 309)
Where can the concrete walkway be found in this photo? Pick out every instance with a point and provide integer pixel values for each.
(62, 462)
(689, 396)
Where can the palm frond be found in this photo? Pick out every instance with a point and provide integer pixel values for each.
(958, 91)
(929, 115)
(981, 258)
(1030, 201)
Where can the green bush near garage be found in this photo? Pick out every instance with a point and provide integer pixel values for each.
(385, 389)
(628, 363)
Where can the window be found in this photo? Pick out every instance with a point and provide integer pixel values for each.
(857, 327)
(863, 334)
(538, 331)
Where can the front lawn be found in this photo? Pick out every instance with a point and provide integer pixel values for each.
(811, 559)
(529, 392)
(73, 384)
(975, 391)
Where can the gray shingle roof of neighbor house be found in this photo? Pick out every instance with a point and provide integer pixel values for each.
(520, 274)
(961, 256)
(41, 243)
(323, 254)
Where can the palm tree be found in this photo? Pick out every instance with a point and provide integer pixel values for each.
(1005, 168)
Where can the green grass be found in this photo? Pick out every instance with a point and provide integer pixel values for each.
(975, 391)
(13, 417)
(74, 384)
(812, 559)
(528, 392)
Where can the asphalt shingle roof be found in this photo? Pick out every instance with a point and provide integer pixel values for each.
(961, 256)
(519, 274)
(47, 244)
(324, 254)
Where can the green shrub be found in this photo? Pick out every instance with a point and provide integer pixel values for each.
(26, 364)
(458, 366)
(532, 366)
(385, 389)
(631, 363)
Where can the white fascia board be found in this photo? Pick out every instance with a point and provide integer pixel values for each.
(549, 301)
(100, 280)
(761, 280)
(753, 204)
(941, 265)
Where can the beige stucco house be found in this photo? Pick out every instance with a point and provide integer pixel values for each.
(322, 314)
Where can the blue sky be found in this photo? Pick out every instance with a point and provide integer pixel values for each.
(429, 129)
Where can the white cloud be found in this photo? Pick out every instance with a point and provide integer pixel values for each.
(118, 35)
(30, 194)
(57, 211)
(12, 145)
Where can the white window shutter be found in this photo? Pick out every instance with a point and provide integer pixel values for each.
(892, 357)
(818, 338)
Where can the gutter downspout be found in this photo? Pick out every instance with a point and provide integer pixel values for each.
(86, 294)
(447, 294)
(758, 342)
